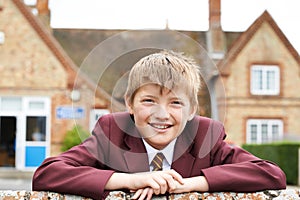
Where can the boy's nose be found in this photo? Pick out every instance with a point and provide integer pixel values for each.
(161, 113)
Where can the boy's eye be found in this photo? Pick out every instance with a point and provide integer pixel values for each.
(177, 102)
(147, 100)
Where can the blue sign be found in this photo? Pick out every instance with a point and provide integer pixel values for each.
(69, 112)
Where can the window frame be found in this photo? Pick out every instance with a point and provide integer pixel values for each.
(259, 134)
(264, 90)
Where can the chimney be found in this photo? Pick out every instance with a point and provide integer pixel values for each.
(216, 45)
(43, 12)
(215, 14)
(42, 7)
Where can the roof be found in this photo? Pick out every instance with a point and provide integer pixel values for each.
(246, 36)
(58, 51)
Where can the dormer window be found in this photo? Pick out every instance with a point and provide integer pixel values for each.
(265, 80)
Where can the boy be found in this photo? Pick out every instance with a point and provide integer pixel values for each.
(161, 98)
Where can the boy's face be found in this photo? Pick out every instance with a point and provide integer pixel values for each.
(160, 114)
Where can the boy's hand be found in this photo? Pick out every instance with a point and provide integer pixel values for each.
(141, 194)
(159, 181)
(146, 184)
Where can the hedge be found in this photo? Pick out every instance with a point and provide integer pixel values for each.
(74, 137)
(284, 154)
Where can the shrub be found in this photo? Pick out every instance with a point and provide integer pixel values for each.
(74, 137)
(284, 154)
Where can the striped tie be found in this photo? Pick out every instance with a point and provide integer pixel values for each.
(157, 162)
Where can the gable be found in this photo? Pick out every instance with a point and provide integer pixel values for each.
(264, 33)
(264, 48)
(26, 61)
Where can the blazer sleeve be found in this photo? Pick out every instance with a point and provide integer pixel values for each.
(234, 169)
(79, 171)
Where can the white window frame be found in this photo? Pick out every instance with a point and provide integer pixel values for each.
(264, 90)
(259, 135)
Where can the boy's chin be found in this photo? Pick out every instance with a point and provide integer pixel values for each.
(157, 143)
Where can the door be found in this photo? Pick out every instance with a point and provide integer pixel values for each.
(37, 131)
(36, 144)
(8, 127)
(24, 131)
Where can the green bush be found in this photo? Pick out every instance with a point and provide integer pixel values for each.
(74, 137)
(284, 154)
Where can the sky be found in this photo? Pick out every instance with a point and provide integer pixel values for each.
(236, 15)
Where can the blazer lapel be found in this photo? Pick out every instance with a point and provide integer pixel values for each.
(136, 157)
(136, 162)
(183, 160)
(184, 165)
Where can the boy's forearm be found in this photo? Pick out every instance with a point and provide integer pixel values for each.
(197, 183)
(200, 184)
(118, 181)
(130, 181)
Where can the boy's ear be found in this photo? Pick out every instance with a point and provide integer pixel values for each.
(128, 105)
(193, 112)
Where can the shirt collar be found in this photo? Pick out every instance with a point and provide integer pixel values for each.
(167, 151)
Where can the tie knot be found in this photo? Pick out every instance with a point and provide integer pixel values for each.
(157, 162)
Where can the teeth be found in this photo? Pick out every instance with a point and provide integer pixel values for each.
(160, 126)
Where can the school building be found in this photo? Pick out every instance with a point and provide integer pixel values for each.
(43, 93)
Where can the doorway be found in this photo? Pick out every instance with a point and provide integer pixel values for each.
(8, 127)
(24, 131)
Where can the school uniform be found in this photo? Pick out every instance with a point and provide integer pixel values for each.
(116, 146)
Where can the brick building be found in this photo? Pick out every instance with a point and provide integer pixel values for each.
(261, 74)
(253, 90)
(41, 90)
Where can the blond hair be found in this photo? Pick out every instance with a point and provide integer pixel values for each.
(168, 69)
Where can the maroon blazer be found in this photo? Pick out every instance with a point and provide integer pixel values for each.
(116, 146)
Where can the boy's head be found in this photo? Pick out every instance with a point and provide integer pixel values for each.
(162, 96)
(167, 69)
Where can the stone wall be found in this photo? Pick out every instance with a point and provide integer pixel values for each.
(118, 195)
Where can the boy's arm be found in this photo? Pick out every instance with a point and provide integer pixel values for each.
(197, 183)
(235, 169)
(73, 172)
(81, 170)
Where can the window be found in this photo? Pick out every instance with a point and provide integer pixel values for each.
(35, 128)
(265, 80)
(36, 105)
(11, 104)
(264, 130)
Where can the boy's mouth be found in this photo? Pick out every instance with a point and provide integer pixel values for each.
(160, 126)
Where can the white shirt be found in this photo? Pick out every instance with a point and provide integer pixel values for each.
(167, 151)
